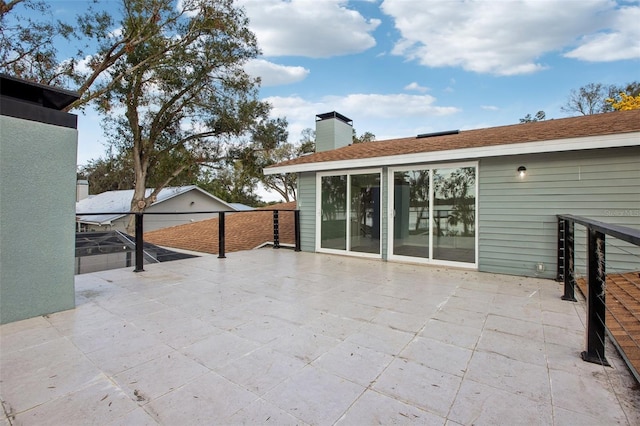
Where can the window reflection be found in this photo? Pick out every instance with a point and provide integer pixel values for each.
(365, 213)
(334, 207)
(411, 213)
(454, 214)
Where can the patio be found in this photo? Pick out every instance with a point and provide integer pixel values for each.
(279, 337)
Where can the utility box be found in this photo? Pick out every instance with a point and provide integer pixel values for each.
(38, 152)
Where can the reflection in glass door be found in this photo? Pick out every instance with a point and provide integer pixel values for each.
(411, 213)
(365, 213)
(454, 211)
(350, 213)
(333, 225)
(434, 214)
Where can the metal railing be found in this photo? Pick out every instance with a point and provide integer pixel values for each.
(595, 266)
(139, 228)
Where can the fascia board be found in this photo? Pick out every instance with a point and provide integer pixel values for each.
(556, 145)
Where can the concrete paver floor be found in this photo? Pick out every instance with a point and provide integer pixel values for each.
(278, 337)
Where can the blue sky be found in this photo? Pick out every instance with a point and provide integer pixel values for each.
(403, 67)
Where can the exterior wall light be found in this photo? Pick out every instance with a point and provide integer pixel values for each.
(522, 172)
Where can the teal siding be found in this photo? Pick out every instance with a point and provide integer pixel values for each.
(517, 225)
(517, 217)
(307, 207)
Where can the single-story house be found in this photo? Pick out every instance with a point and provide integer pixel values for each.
(483, 199)
(113, 204)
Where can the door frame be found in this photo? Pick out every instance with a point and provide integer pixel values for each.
(391, 213)
(348, 173)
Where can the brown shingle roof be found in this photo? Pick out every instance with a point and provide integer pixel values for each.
(574, 127)
(243, 231)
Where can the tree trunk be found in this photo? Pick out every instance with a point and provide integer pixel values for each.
(139, 202)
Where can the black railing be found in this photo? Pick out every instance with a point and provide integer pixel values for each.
(595, 264)
(139, 229)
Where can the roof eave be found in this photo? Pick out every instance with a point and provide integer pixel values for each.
(555, 145)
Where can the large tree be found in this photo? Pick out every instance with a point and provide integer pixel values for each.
(181, 97)
(28, 36)
(592, 98)
(168, 77)
(93, 44)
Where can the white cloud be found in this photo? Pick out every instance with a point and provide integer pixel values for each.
(376, 113)
(489, 107)
(621, 42)
(416, 87)
(395, 105)
(497, 37)
(188, 7)
(274, 74)
(315, 29)
(116, 33)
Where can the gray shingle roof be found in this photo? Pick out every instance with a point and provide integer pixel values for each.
(114, 203)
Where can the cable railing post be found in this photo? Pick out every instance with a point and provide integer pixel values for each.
(276, 230)
(560, 251)
(221, 235)
(596, 307)
(296, 228)
(568, 272)
(139, 244)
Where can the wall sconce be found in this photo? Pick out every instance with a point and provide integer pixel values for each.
(522, 172)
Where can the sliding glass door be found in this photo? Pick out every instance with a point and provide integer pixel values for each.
(454, 208)
(350, 212)
(334, 212)
(434, 213)
(411, 213)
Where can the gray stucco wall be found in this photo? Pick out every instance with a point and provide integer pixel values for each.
(37, 207)
(517, 217)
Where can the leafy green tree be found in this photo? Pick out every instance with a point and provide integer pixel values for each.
(192, 103)
(169, 80)
(285, 184)
(231, 183)
(107, 174)
(27, 40)
(365, 137)
(540, 116)
(28, 45)
(114, 173)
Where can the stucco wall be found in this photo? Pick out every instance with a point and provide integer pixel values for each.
(37, 207)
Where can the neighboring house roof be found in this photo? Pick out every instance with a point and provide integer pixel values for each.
(241, 207)
(243, 231)
(120, 201)
(613, 129)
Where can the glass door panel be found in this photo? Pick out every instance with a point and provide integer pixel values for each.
(333, 226)
(411, 213)
(365, 213)
(454, 214)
